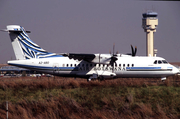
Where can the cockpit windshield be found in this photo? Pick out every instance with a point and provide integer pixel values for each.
(164, 61)
(160, 62)
(155, 62)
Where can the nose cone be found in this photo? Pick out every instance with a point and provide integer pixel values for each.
(175, 70)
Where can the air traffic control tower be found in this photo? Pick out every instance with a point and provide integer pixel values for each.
(149, 24)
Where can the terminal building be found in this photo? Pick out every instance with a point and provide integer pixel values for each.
(13, 70)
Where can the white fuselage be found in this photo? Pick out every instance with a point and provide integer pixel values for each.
(31, 56)
(124, 67)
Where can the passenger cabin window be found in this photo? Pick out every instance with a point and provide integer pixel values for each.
(74, 65)
(132, 65)
(123, 65)
(71, 65)
(128, 65)
(155, 62)
(67, 65)
(119, 65)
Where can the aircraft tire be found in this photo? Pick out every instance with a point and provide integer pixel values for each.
(101, 78)
(88, 79)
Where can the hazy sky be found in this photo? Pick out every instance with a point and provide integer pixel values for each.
(91, 26)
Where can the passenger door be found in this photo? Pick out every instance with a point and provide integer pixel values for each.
(55, 68)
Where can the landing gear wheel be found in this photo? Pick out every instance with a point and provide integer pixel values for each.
(101, 78)
(88, 79)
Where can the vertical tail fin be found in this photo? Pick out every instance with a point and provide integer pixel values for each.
(23, 46)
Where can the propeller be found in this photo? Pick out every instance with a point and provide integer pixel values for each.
(133, 51)
(113, 58)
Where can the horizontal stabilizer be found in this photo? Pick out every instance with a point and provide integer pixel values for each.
(14, 28)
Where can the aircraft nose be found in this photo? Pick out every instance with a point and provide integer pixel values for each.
(175, 70)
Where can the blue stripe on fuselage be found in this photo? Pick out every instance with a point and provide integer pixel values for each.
(44, 68)
(141, 68)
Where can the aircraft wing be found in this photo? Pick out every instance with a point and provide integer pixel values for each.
(86, 57)
(93, 58)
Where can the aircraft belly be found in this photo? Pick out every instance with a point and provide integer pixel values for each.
(150, 74)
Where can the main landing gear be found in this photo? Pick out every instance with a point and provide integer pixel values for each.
(100, 78)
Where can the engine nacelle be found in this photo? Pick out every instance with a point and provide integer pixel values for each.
(102, 59)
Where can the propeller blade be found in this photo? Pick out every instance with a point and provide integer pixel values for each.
(113, 58)
(133, 51)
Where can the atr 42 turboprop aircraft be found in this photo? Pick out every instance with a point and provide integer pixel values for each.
(31, 56)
